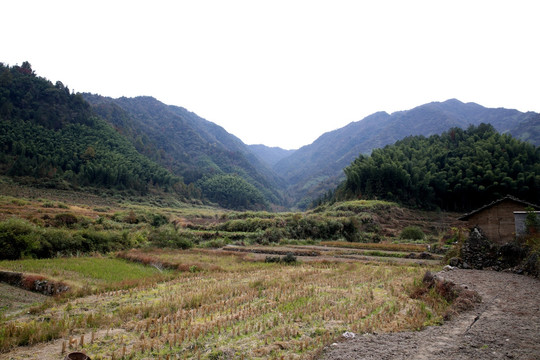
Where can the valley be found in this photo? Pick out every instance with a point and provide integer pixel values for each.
(132, 229)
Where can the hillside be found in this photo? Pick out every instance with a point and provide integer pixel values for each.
(269, 155)
(459, 170)
(316, 168)
(188, 145)
(50, 137)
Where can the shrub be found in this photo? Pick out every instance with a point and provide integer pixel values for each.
(272, 259)
(159, 220)
(412, 233)
(167, 236)
(289, 259)
(66, 219)
(18, 238)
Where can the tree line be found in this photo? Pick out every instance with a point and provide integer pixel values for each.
(458, 170)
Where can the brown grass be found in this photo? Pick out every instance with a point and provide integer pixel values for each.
(377, 246)
(237, 307)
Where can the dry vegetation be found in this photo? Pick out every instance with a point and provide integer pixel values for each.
(146, 302)
(376, 246)
(227, 308)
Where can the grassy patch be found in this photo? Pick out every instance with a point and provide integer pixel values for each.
(91, 273)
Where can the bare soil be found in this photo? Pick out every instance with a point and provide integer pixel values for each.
(505, 325)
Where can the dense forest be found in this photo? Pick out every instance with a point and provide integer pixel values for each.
(458, 170)
(50, 135)
(232, 191)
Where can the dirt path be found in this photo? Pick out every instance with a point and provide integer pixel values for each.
(506, 325)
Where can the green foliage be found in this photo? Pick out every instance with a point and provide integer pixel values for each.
(458, 170)
(412, 233)
(167, 236)
(300, 227)
(532, 221)
(65, 219)
(22, 239)
(17, 239)
(232, 191)
(159, 220)
(190, 146)
(50, 135)
(287, 259)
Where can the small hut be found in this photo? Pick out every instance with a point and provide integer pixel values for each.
(497, 219)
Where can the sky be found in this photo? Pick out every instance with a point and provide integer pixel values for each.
(282, 73)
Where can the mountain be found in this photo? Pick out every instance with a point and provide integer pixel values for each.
(528, 130)
(314, 169)
(188, 145)
(50, 137)
(269, 155)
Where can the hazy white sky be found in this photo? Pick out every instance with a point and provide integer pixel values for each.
(282, 73)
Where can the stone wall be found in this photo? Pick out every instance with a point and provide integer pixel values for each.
(34, 283)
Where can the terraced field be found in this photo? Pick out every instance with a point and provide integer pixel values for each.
(222, 304)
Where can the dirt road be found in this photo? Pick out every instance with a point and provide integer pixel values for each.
(506, 325)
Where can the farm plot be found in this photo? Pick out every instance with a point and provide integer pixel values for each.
(338, 252)
(89, 274)
(230, 308)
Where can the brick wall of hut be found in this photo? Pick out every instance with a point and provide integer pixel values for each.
(497, 221)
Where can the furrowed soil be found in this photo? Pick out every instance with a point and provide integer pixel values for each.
(505, 325)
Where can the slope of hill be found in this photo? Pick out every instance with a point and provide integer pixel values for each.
(459, 170)
(50, 137)
(187, 144)
(528, 130)
(269, 155)
(316, 168)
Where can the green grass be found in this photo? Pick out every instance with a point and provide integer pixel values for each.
(95, 273)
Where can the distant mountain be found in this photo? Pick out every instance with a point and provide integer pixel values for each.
(318, 167)
(528, 130)
(188, 145)
(270, 155)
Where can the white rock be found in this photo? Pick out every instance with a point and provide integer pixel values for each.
(349, 335)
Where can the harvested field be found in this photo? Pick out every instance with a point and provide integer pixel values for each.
(504, 326)
(311, 253)
(255, 309)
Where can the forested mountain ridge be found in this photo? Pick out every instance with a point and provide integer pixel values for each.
(198, 150)
(314, 169)
(459, 170)
(52, 136)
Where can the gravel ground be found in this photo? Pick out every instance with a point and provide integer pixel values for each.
(505, 325)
